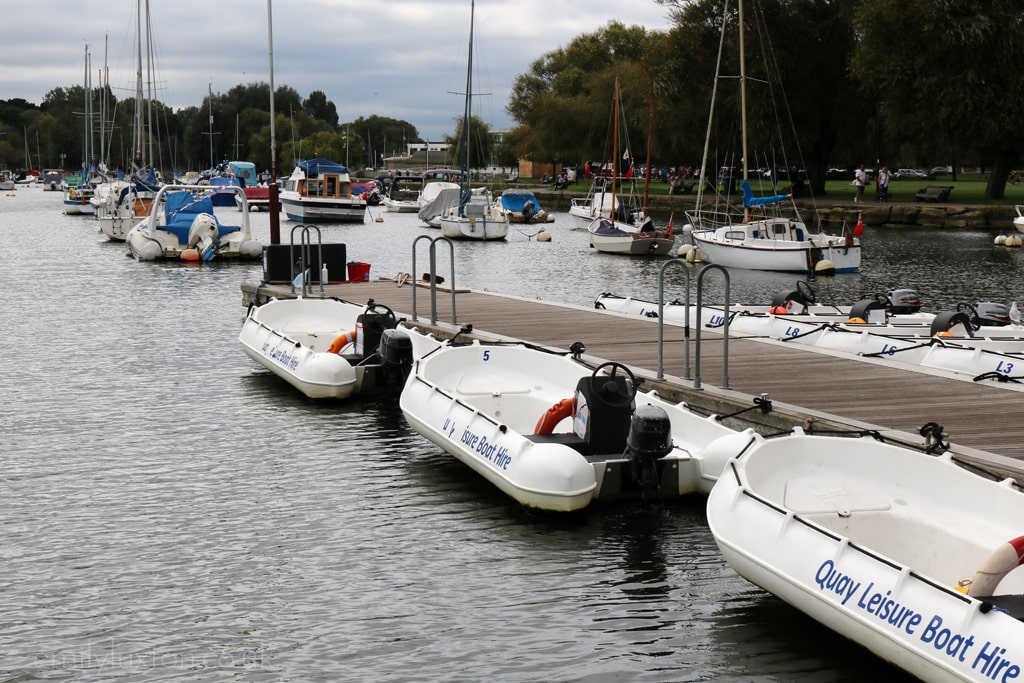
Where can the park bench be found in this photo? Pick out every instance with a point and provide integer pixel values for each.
(934, 193)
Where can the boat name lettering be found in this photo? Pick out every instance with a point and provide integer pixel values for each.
(289, 360)
(489, 450)
(990, 659)
(716, 321)
(1005, 367)
(889, 349)
(793, 331)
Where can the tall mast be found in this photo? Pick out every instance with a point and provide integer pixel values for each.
(138, 150)
(467, 112)
(743, 92)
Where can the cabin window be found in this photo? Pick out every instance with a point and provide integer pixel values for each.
(735, 235)
(780, 229)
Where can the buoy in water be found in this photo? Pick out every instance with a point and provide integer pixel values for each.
(1000, 240)
(378, 219)
(543, 236)
(695, 256)
(190, 255)
(683, 250)
(825, 267)
(1014, 241)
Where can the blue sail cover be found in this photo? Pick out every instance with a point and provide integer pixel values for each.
(312, 167)
(246, 170)
(749, 200)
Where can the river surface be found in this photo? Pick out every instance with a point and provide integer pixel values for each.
(170, 511)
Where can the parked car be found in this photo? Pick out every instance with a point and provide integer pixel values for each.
(912, 173)
(940, 170)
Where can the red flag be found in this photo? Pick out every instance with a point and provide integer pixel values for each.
(858, 229)
(668, 229)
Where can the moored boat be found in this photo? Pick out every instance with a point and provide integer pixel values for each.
(320, 190)
(556, 433)
(331, 348)
(181, 224)
(906, 553)
(522, 206)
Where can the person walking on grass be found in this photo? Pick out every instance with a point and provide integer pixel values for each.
(860, 180)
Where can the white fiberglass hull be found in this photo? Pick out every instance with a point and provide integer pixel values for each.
(310, 210)
(878, 543)
(778, 255)
(474, 228)
(483, 403)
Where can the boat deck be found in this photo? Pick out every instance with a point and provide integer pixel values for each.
(830, 388)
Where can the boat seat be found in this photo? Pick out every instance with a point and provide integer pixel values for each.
(816, 495)
(607, 426)
(491, 384)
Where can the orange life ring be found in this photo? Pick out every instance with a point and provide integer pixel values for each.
(554, 415)
(344, 339)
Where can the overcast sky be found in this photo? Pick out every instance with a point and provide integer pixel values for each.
(396, 58)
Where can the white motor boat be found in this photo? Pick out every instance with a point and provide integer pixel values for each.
(522, 206)
(330, 348)
(905, 553)
(182, 225)
(556, 433)
(320, 190)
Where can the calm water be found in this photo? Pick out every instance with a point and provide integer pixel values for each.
(169, 511)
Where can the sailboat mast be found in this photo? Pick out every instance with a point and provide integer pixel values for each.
(743, 92)
(138, 154)
(615, 145)
(467, 112)
(647, 167)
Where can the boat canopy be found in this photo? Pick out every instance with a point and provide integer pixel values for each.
(750, 200)
(246, 170)
(312, 167)
(515, 200)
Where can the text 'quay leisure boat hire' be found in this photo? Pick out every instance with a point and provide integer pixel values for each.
(906, 553)
(331, 348)
(556, 433)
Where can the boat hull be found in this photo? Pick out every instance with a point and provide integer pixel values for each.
(795, 257)
(482, 404)
(633, 246)
(303, 210)
(876, 542)
(481, 229)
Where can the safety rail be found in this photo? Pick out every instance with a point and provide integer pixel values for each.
(432, 275)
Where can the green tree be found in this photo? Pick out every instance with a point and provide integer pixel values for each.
(319, 107)
(948, 72)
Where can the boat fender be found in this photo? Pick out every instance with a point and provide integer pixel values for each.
(1001, 562)
(555, 414)
(341, 341)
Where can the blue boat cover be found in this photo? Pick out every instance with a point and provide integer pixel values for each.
(750, 200)
(515, 201)
(246, 170)
(182, 207)
(320, 165)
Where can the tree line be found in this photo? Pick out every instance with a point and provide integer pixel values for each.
(890, 82)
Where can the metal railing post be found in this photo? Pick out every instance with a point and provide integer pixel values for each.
(661, 319)
(432, 274)
(725, 327)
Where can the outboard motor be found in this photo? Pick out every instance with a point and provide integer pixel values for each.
(904, 301)
(395, 353)
(370, 326)
(992, 314)
(528, 211)
(649, 439)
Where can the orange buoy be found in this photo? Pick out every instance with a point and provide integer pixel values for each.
(343, 340)
(190, 255)
(778, 310)
(555, 414)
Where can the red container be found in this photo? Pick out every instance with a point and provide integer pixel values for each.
(358, 271)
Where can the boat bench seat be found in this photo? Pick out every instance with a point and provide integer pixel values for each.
(565, 438)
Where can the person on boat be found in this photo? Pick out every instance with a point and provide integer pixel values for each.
(860, 180)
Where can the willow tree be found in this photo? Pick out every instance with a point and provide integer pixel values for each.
(949, 72)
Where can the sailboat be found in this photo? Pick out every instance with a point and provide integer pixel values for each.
(120, 204)
(760, 235)
(476, 216)
(77, 196)
(625, 231)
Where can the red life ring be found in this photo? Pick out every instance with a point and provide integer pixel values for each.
(554, 415)
(343, 340)
(1001, 562)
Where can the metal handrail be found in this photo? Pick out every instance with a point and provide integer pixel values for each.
(725, 326)
(661, 319)
(432, 274)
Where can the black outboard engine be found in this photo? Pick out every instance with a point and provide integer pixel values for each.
(649, 439)
(395, 353)
(370, 325)
(992, 314)
(529, 210)
(904, 301)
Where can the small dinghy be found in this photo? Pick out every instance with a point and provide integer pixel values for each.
(905, 553)
(555, 433)
(331, 348)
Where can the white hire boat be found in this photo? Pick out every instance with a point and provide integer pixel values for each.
(330, 348)
(1018, 220)
(182, 225)
(905, 553)
(557, 434)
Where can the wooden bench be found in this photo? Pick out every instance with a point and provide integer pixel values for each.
(934, 193)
